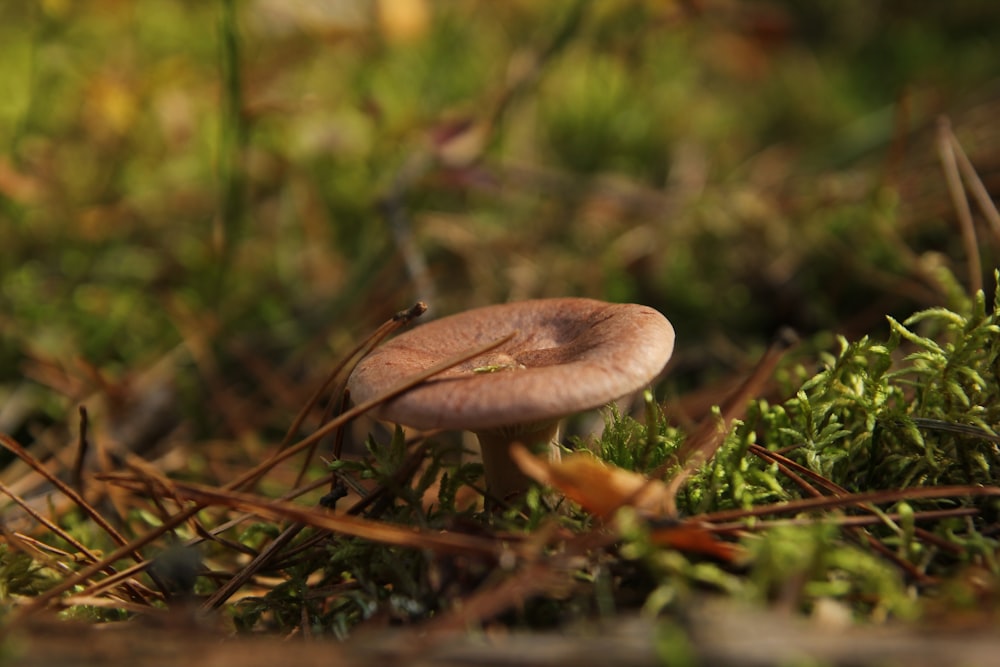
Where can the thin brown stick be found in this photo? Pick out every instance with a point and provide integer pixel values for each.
(338, 445)
(236, 582)
(836, 489)
(842, 521)
(797, 470)
(113, 580)
(109, 582)
(343, 370)
(403, 386)
(405, 472)
(59, 532)
(976, 187)
(946, 153)
(828, 502)
(376, 531)
(270, 552)
(31, 547)
(397, 321)
(15, 448)
(290, 495)
(43, 599)
(789, 468)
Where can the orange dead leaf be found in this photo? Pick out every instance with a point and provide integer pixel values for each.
(696, 537)
(598, 487)
(602, 489)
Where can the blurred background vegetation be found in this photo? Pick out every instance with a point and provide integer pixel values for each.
(203, 204)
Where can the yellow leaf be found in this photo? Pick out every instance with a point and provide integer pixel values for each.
(599, 488)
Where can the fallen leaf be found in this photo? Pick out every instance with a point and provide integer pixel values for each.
(602, 489)
(598, 487)
(696, 537)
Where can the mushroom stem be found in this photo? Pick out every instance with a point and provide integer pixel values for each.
(504, 479)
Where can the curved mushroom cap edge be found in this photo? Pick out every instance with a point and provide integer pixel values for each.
(568, 355)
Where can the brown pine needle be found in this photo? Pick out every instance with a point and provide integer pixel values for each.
(51, 527)
(237, 581)
(946, 153)
(977, 188)
(404, 385)
(342, 370)
(396, 322)
(376, 531)
(41, 601)
(793, 469)
(15, 448)
(829, 502)
(842, 521)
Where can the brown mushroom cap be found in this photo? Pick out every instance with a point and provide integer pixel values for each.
(568, 355)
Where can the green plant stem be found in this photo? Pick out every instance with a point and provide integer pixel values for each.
(234, 134)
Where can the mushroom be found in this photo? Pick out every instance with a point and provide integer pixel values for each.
(566, 355)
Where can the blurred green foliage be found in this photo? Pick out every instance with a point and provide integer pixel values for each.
(681, 156)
